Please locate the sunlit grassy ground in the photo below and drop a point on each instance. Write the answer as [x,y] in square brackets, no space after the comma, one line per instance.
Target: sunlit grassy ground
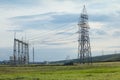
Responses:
[97,71]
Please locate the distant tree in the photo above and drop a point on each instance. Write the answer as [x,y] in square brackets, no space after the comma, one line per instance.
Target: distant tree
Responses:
[69,63]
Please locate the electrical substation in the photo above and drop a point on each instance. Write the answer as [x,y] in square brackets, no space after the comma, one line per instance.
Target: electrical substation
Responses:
[21,52]
[21,48]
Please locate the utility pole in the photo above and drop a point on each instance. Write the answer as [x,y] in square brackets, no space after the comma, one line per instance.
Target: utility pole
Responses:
[33,55]
[84,48]
[14,50]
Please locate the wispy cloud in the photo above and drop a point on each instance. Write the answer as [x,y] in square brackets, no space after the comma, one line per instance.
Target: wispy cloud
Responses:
[18,3]
[45,20]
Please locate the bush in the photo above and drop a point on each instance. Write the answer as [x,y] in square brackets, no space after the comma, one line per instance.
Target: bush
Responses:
[69,63]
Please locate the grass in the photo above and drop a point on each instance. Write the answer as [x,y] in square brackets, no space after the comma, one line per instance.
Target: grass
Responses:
[96,71]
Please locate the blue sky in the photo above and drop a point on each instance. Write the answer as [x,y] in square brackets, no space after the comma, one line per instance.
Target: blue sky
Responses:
[51,25]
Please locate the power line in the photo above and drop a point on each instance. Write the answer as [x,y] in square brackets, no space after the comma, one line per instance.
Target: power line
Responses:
[49,37]
[57,43]
[54,40]
[61,39]
[55,29]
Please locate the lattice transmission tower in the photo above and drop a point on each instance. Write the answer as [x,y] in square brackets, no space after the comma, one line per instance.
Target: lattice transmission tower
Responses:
[84,48]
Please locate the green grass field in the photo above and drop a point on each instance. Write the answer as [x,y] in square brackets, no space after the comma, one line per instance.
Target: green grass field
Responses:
[96,71]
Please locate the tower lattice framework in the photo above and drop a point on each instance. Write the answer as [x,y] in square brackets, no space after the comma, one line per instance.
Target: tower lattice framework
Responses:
[84,48]
[21,52]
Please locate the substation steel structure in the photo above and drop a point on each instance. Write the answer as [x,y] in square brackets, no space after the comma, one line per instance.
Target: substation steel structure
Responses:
[21,52]
[84,48]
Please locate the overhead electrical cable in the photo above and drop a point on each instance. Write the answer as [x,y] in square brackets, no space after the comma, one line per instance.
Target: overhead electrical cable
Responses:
[50,32]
